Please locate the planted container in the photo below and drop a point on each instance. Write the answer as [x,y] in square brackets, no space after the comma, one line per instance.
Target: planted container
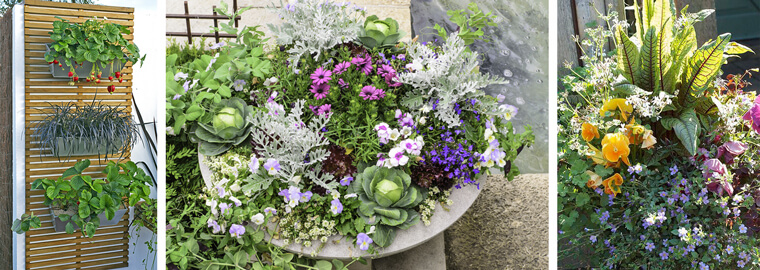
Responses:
[60,226]
[72,146]
[85,67]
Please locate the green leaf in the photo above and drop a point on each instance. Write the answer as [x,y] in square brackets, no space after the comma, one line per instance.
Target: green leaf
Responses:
[84,210]
[69,228]
[627,56]
[193,112]
[734,48]
[323,265]
[704,66]
[686,128]
[338,264]
[581,199]
[650,65]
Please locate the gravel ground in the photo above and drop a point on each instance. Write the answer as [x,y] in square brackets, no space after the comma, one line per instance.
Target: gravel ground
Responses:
[506,228]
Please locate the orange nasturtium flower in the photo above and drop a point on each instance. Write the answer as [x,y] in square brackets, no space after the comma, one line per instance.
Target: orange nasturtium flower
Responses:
[615,147]
[594,181]
[612,184]
[617,104]
[589,132]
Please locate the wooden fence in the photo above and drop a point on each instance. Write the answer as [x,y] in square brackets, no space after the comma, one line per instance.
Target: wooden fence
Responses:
[190,34]
[574,16]
[45,248]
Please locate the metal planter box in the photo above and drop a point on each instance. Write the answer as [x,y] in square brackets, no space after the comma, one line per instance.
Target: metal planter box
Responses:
[84,69]
[76,147]
[60,226]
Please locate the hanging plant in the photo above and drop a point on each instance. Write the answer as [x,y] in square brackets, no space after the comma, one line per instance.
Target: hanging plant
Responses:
[90,49]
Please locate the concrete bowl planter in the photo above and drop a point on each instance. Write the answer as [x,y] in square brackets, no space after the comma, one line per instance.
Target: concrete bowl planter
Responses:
[60,226]
[85,68]
[339,247]
[66,147]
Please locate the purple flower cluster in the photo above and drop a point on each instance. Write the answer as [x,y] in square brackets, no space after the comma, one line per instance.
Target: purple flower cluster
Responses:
[458,162]
[363,63]
[341,67]
[319,84]
[321,110]
[389,74]
[372,93]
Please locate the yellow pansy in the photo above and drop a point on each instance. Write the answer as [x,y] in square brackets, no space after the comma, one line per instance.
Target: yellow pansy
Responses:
[617,104]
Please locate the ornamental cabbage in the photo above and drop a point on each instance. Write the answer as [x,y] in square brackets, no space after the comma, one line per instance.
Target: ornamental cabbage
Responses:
[380,33]
[230,125]
[388,201]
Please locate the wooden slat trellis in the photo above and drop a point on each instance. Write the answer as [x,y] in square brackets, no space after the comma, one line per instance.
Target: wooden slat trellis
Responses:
[46,249]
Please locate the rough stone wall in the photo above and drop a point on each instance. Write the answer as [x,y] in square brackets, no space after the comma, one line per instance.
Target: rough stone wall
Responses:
[6,142]
[260,15]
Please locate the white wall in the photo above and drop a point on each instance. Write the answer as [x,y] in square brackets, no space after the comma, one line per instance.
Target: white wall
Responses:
[148,89]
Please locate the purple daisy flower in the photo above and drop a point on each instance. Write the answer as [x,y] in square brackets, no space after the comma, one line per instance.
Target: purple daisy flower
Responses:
[363,64]
[341,67]
[342,83]
[372,93]
[753,115]
[321,76]
[320,90]
[324,109]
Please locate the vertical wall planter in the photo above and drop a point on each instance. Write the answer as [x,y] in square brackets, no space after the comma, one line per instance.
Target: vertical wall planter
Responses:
[63,70]
[60,226]
[67,147]
[39,91]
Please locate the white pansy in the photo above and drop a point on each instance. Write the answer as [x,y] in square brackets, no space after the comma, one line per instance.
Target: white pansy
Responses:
[258,219]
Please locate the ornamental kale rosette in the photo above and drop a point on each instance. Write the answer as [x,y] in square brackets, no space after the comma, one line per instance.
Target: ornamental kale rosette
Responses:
[658,149]
[351,133]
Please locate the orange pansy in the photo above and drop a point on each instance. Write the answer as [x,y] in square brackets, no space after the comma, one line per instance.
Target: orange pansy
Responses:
[589,132]
[615,147]
[612,184]
[594,181]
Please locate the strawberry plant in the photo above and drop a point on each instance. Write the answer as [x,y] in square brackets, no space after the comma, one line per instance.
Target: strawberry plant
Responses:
[94,41]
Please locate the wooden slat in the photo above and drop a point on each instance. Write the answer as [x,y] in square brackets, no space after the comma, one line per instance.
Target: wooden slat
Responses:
[77,259]
[77,246]
[47,249]
[76,13]
[38,3]
[49,19]
[49,26]
[38,234]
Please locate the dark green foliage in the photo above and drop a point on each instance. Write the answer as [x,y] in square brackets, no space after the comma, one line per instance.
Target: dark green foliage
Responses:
[93,124]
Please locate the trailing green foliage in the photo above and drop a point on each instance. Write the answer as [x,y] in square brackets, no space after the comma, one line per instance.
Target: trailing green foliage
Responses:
[90,197]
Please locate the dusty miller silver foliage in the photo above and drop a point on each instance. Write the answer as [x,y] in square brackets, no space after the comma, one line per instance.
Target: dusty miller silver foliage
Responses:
[313,26]
[298,147]
[450,76]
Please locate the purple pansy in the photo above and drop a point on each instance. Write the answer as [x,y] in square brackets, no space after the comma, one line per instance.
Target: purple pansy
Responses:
[237,231]
[363,241]
[336,207]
